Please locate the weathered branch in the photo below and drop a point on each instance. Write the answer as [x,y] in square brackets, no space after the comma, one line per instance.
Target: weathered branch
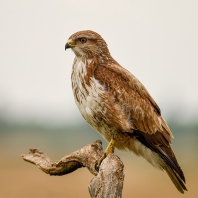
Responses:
[109,180]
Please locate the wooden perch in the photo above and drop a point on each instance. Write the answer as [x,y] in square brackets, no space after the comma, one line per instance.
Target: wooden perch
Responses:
[108,182]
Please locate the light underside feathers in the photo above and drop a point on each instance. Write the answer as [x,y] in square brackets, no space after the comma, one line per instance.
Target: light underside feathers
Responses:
[118,106]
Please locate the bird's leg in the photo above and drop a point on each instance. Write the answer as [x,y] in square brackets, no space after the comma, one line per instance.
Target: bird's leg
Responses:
[109,149]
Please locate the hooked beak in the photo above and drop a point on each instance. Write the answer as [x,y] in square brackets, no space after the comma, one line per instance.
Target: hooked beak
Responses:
[69,44]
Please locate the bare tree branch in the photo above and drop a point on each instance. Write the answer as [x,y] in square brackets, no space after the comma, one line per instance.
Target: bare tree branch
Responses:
[108,182]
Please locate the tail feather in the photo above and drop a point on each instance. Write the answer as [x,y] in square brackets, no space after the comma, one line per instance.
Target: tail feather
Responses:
[175,178]
[166,159]
[172,168]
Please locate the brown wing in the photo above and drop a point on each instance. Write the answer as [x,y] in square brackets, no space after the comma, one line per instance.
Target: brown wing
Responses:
[132,104]
[131,100]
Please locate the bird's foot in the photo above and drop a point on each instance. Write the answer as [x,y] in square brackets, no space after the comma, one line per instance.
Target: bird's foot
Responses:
[109,149]
[99,161]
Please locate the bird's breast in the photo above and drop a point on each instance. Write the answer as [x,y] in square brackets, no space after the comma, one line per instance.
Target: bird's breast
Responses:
[89,96]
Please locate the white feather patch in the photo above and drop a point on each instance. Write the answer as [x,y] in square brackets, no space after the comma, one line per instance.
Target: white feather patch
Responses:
[88,98]
[152,157]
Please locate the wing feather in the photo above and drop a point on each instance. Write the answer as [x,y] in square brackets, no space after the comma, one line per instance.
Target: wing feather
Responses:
[126,94]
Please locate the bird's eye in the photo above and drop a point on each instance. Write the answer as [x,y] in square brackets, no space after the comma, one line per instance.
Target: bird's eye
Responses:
[83,40]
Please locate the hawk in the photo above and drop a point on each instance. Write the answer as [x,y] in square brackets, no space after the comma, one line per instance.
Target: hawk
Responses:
[118,106]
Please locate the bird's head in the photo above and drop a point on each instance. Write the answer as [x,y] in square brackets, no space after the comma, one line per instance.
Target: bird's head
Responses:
[88,44]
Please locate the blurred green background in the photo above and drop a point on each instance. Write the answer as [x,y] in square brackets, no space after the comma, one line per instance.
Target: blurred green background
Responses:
[21,179]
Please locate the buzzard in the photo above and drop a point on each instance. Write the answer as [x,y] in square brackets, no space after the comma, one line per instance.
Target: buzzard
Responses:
[117,105]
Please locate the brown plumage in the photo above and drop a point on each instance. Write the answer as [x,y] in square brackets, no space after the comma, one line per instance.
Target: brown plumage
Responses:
[119,107]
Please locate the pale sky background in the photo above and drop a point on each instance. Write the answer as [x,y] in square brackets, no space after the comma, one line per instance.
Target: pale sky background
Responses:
[157,41]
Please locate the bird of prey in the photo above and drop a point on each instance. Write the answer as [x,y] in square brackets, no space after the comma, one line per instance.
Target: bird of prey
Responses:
[118,106]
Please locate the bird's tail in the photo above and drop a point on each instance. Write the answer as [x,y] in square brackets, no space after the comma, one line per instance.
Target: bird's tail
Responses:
[172,168]
[175,178]
[160,156]
[168,162]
